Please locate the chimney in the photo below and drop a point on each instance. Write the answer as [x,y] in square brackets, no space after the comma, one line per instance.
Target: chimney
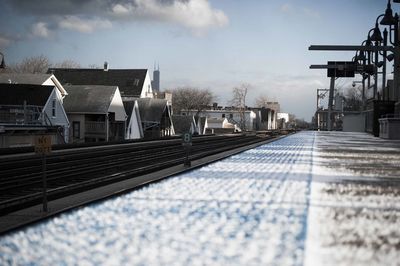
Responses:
[105,66]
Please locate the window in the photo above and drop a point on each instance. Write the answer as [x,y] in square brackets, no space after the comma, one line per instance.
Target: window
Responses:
[223,115]
[76,129]
[231,116]
[53,108]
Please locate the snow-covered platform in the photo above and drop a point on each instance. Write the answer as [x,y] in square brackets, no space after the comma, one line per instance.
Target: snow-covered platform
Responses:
[313,198]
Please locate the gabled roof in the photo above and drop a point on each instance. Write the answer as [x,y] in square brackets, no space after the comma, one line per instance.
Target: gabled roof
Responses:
[16,94]
[182,123]
[129,81]
[35,79]
[128,105]
[151,110]
[93,99]
[18,78]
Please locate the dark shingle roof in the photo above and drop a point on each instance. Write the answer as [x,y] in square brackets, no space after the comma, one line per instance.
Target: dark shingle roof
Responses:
[125,79]
[151,110]
[19,78]
[16,94]
[88,99]
[182,123]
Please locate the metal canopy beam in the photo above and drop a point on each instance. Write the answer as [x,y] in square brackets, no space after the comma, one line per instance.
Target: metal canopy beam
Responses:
[349,48]
[322,66]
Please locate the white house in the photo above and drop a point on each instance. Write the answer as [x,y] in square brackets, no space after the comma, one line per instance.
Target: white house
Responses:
[134,129]
[27,110]
[202,125]
[232,116]
[282,120]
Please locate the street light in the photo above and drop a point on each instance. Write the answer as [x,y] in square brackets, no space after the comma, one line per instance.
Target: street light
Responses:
[2,64]
[377,35]
[390,57]
[388,19]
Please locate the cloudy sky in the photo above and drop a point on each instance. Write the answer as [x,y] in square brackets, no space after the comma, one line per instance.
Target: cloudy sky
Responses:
[215,44]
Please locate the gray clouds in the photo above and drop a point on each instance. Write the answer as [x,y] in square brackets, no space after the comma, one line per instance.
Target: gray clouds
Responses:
[90,15]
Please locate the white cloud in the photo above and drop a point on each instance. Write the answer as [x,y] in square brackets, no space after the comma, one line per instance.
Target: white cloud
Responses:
[196,15]
[40,29]
[121,10]
[84,25]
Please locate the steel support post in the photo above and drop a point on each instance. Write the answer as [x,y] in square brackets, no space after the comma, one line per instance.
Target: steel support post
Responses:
[330,103]
[376,73]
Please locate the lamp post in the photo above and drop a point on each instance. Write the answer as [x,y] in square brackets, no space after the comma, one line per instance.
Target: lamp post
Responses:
[377,38]
[361,57]
[393,23]
[2,64]
[321,93]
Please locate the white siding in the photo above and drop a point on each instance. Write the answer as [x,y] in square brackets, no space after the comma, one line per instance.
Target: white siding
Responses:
[250,116]
[147,90]
[117,107]
[134,129]
[60,118]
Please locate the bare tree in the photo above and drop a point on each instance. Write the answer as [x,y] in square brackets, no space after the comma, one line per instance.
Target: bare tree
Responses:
[238,101]
[67,64]
[192,100]
[39,64]
[262,101]
[353,99]
[93,66]
[34,65]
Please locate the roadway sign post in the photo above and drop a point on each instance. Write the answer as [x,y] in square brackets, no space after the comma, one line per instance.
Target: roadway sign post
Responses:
[43,147]
[187,144]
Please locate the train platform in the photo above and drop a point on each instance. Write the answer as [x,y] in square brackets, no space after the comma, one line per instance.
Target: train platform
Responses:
[312,198]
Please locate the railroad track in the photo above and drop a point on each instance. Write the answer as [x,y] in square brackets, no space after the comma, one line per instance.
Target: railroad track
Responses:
[77,170]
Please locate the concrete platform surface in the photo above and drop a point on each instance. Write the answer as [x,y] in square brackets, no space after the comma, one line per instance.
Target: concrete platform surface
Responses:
[312,198]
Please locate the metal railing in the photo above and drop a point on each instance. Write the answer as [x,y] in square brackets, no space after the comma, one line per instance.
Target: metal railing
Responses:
[20,115]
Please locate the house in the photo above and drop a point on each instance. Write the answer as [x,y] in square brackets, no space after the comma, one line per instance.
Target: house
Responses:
[155,115]
[132,83]
[266,117]
[220,126]
[34,79]
[96,113]
[202,125]
[134,129]
[282,120]
[233,115]
[184,124]
[28,110]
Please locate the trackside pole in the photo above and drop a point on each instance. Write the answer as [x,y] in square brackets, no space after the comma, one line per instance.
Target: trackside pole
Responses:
[45,209]
[187,144]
